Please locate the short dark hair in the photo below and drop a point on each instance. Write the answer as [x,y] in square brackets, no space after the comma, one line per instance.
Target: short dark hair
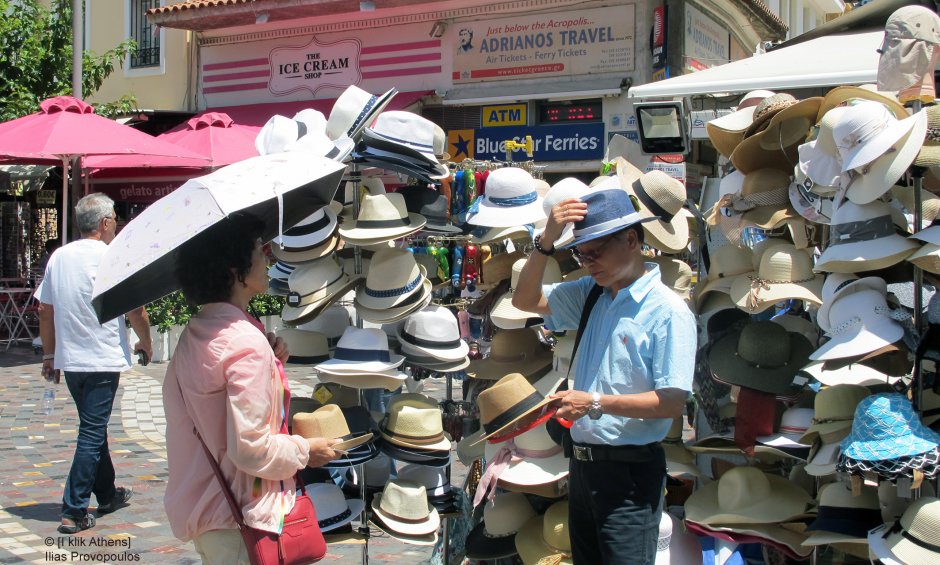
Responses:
[204,266]
[636,227]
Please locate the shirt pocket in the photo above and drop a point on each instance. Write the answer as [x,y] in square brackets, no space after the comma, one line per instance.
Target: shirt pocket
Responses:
[630,357]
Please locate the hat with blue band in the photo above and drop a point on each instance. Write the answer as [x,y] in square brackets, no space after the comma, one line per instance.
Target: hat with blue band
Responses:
[608,211]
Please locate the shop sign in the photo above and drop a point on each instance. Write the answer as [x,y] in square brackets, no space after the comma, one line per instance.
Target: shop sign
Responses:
[560,142]
[706,41]
[659,37]
[505,115]
[660,74]
[557,44]
[675,170]
[314,66]
[138,191]
[45,197]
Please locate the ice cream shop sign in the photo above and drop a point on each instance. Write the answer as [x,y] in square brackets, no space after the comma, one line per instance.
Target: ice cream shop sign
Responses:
[315,66]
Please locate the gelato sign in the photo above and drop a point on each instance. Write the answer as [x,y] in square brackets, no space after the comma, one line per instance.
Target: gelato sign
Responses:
[314,66]
[558,44]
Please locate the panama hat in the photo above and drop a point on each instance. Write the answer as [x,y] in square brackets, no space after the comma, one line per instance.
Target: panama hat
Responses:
[331,322]
[661,197]
[414,421]
[862,238]
[608,211]
[844,516]
[727,262]
[766,109]
[545,538]
[431,204]
[776,146]
[313,287]
[382,217]
[506,316]
[305,347]
[435,482]
[482,234]
[627,149]
[837,285]
[311,238]
[403,507]
[820,159]
[510,200]
[746,495]
[408,134]
[334,510]
[353,110]
[887,427]
[434,331]
[394,278]
[305,132]
[726,132]
[914,538]
[506,402]
[927,258]
[873,179]
[861,323]
[512,351]
[785,273]
[327,422]
[762,356]
[281,271]
[499,267]
[429,457]
[361,350]
[495,536]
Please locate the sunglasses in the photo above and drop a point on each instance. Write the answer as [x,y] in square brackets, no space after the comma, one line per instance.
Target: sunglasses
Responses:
[592,255]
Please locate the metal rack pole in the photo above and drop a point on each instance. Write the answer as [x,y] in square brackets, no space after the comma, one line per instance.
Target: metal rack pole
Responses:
[918,279]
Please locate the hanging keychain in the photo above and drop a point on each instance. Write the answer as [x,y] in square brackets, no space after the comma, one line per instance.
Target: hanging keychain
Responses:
[470,263]
[440,257]
[463,322]
[456,266]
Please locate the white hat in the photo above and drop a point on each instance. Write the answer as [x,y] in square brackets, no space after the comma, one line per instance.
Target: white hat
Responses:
[820,159]
[494,537]
[861,323]
[281,271]
[854,374]
[305,347]
[675,545]
[793,424]
[508,317]
[382,217]
[305,132]
[816,206]
[306,240]
[331,322]
[915,538]
[403,506]
[510,200]
[313,287]
[353,110]
[872,180]
[866,130]
[407,134]
[862,238]
[837,285]
[434,331]
[568,187]
[395,286]
[333,508]
[361,350]
[535,459]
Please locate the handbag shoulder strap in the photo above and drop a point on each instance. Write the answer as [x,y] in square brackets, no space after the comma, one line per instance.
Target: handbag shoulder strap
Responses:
[589,303]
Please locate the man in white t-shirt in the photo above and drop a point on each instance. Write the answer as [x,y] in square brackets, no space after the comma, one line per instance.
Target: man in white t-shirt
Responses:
[91,354]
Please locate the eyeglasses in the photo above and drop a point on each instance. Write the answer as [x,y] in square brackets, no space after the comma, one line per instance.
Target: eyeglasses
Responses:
[591,256]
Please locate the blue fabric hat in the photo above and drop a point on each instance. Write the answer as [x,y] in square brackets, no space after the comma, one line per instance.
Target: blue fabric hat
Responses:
[608,211]
[886,427]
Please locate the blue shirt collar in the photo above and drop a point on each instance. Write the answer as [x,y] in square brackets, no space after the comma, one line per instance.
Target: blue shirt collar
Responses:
[643,285]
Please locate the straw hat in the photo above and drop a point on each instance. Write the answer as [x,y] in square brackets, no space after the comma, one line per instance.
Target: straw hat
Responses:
[746,495]
[434,331]
[504,314]
[545,538]
[327,422]
[762,356]
[382,217]
[510,200]
[726,132]
[482,234]
[929,153]
[629,150]
[913,539]
[533,459]
[873,179]
[500,267]
[314,286]
[861,323]
[353,110]
[661,197]
[512,351]
[762,202]
[414,421]
[840,95]
[403,507]
[776,145]
[785,273]
[844,516]
[281,271]
[887,427]
[333,509]
[863,238]
[727,262]
[361,350]
[495,536]
[435,482]
[679,460]
[506,402]
[785,538]
[838,285]
[834,408]
[767,109]
[930,203]
[394,278]
[305,347]
[331,322]
[675,274]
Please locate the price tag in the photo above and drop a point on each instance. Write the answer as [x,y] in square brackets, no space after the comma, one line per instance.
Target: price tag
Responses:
[510,248]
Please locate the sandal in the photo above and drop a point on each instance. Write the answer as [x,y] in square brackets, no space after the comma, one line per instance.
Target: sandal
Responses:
[121,496]
[75,525]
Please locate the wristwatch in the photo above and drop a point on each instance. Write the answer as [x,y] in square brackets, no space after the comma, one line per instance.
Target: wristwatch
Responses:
[595,412]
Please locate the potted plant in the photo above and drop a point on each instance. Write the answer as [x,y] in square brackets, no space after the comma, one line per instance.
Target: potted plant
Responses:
[168,316]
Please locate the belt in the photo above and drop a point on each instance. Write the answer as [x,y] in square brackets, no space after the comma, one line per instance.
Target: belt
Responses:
[619,453]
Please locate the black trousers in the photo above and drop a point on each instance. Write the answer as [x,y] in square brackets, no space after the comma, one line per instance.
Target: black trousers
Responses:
[615,508]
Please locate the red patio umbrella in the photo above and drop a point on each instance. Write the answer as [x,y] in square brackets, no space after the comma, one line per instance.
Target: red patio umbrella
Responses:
[66,127]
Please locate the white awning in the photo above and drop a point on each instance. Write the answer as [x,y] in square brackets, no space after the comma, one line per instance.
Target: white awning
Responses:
[498,92]
[833,60]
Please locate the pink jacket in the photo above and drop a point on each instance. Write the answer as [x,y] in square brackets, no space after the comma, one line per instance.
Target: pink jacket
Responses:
[227,371]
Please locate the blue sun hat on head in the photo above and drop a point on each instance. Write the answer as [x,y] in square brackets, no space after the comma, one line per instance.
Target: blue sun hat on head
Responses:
[886,427]
[608,211]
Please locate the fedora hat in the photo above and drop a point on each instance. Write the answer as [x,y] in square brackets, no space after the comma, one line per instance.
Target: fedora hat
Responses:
[360,422]
[305,132]
[675,274]
[510,200]
[746,495]
[403,507]
[435,482]
[844,516]
[306,240]
[608,211]
[499,267]
[361,350]
[679,460]
[838,285]
[820,159]
[727,262]
[382,217]
[313,287]
[512,351]
[661,197]
[427,457]
[862,238]
[871,180]
[495,536]
[305,347]
[482,234]
[913,539]
[419,359]
[407,134]
[726,132]
[328,422]
[433,331]
[353,110]
[431,204]
[861,323]
[545,538]
[334,510]
[504,314]
[331,322]
[281,271]
[394,278]
[567,188]
[785,273]
[414,421]
[762,356]
[887,427]
[776,145]
[509,400]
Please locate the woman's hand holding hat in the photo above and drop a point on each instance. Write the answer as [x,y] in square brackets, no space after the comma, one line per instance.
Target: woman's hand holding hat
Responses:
[321,451]
[567,211]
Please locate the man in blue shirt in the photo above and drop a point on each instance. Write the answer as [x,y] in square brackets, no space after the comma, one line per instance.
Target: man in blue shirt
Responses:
[632,374]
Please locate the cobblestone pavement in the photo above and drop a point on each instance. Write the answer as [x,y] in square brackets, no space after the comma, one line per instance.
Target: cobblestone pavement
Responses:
[36,452]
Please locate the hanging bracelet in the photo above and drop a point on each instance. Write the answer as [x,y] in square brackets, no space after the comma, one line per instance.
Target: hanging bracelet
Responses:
[540,249]
[48,357]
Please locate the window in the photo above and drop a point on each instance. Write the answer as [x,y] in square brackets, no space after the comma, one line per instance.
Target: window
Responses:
[145,34]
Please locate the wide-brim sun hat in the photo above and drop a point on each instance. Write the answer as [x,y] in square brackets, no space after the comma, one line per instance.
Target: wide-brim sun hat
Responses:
[510,200]
[854,374]
[661,197]
[608,211]
[839,95]
[838,285]
[915,538]
[819,158]
[494,537]
[762,356]
[776,146]
[747,495]
[382,217]
[861,323]
[726,132]
[785,273]
[867,130]
[863,238]
[545,538]
[876,177]
[927,258]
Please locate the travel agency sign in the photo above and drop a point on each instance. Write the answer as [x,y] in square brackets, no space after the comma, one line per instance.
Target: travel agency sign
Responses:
[557,44]
[315,66]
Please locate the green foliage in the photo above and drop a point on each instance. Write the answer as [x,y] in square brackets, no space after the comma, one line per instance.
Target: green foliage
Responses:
[266,305]
[36,56]
[171,310]
[123,106]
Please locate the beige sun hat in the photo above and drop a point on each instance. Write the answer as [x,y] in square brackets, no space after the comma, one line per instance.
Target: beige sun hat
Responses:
[545,538]
[382,217]
[863,238]
[785,273]
[495,536]
[679,460]
[328,422]
[844,516]
[727,262]
[512,351]
[834,410]
[535,459]
[504,314]
[414,421]
[675,274]
[499,268]
[403,507]
[661,196]
[747,495]
[313,287]
[506,402]
[846,95]
[764,201]
[912,540]
[776,146]
[726,132]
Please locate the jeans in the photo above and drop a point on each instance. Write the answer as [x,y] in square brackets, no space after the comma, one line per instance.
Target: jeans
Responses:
[614,509]
[92,471]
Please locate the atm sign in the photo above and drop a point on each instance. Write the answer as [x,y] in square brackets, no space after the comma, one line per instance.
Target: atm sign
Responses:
[505,115]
